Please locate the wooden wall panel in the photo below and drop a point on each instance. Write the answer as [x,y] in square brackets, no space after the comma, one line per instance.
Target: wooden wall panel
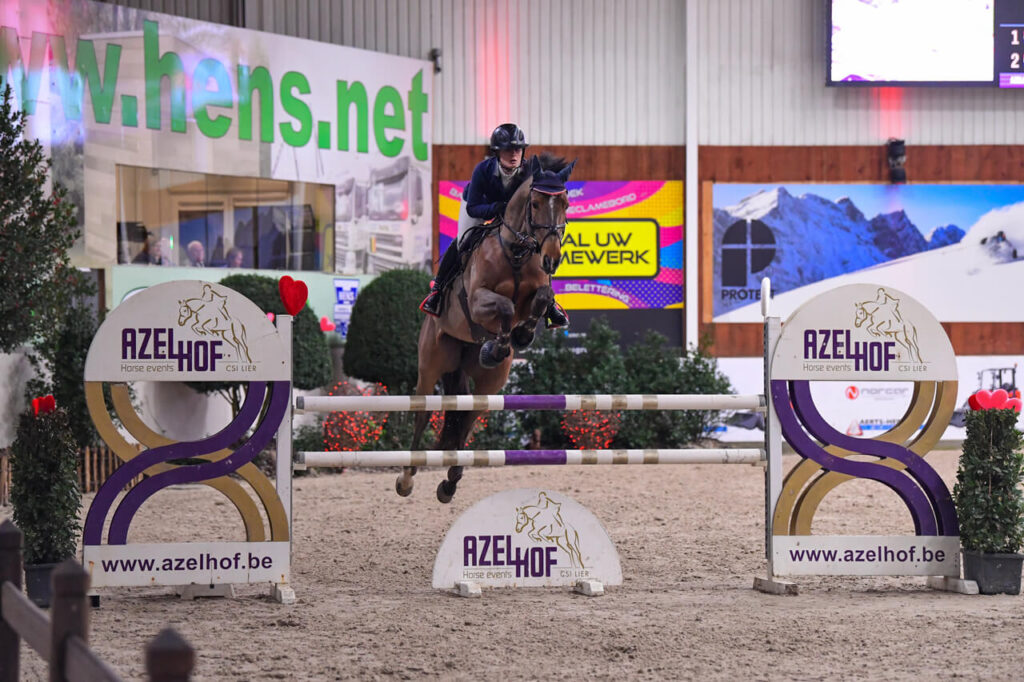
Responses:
[938,163]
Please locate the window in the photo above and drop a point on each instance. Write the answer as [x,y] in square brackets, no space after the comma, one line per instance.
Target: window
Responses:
[184,219]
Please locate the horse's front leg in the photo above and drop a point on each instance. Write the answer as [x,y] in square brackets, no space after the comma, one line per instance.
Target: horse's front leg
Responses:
[523,333]
[495,313]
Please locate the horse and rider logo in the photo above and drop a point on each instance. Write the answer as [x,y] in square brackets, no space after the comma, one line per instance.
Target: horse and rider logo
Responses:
[882,318]
[543,522]
[208,316]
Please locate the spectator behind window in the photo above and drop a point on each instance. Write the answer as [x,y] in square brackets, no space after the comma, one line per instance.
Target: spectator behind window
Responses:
[153,252]
[234,257]
[196,254]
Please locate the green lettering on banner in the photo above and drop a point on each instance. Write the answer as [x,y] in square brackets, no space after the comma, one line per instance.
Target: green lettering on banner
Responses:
[202,97]
[417,107]
[383,121]
[299,110]
[159,67]
[101,92]
[258,80]
[347,96]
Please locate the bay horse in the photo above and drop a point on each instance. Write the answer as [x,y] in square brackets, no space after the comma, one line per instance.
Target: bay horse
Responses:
[492,308]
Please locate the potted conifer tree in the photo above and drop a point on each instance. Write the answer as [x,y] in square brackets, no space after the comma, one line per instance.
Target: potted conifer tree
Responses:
[988,497]
[45,495]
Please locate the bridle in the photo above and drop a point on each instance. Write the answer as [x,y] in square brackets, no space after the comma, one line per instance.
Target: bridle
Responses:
[524,244]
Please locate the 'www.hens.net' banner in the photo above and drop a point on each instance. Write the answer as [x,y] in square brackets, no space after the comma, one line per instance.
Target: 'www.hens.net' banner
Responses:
[622,249]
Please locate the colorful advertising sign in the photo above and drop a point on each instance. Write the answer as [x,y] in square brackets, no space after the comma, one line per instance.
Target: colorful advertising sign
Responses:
[949,246]
[111,90]
[622,248]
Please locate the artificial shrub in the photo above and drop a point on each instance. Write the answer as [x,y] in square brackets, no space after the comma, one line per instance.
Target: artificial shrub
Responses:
[59,355]
[988,497]
[44,487]
[383,332]
[311,361]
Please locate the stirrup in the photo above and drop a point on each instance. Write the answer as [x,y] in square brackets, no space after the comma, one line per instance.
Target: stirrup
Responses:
[432,308]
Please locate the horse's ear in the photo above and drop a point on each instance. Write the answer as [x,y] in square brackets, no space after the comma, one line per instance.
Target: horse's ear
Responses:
[564,174]
[533,168]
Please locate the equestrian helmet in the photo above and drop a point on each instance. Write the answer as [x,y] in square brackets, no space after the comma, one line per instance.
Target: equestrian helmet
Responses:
[508,136]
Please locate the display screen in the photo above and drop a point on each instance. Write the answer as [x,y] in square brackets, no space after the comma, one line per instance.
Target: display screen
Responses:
[926,42]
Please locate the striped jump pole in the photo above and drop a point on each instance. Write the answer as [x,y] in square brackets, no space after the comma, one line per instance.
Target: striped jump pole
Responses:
[498,458]
[437,403]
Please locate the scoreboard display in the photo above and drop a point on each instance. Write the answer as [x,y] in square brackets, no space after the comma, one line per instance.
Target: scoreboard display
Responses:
[926,42]
[1009,39]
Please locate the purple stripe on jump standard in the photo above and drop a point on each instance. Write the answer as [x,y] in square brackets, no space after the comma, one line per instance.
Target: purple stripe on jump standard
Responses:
[535,402]
[916,501]
[105,496]
[280,394]
[933,485]
[525,457]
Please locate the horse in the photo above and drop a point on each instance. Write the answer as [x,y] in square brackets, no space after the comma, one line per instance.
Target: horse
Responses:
[493,307]
[545,524]
[884,319]
[211,316]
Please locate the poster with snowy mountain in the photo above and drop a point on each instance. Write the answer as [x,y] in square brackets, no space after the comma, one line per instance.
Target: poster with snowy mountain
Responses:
[958,249]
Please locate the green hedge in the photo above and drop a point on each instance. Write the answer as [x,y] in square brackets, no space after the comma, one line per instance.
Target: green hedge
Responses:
[381,345]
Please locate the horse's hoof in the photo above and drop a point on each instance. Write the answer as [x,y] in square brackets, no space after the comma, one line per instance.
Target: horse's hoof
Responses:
[404,491]
[522,337]
[489,359]
[443,494]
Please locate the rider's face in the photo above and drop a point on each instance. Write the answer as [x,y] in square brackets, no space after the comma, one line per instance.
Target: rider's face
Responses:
[510,158]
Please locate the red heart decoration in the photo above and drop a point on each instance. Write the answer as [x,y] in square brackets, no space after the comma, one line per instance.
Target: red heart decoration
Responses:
[44,405]
[293,294]
[1013,404]
[270,316]
[988,400]
[326,325]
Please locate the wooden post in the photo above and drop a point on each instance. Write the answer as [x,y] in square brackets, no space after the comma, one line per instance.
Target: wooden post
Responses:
[169,657]
[69,613]
[10,571]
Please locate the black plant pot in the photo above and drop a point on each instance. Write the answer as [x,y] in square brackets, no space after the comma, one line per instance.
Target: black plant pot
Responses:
[995,573]
[37,583]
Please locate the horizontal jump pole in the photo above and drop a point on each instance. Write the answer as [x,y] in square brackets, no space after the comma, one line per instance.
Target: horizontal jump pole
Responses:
[437,403]
[497,458]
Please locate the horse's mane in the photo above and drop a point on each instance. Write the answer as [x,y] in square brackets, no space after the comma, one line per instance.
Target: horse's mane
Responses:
[517,204]
[550,162]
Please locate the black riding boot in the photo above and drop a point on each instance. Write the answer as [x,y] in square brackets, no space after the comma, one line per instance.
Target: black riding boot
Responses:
[555,317]
[445,271]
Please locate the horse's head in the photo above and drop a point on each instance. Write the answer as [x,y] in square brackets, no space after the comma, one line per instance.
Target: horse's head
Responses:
[538,208]
[862,315]
[521,519]
[184,312]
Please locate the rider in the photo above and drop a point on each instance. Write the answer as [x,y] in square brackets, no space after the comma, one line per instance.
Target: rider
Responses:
[494,181]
